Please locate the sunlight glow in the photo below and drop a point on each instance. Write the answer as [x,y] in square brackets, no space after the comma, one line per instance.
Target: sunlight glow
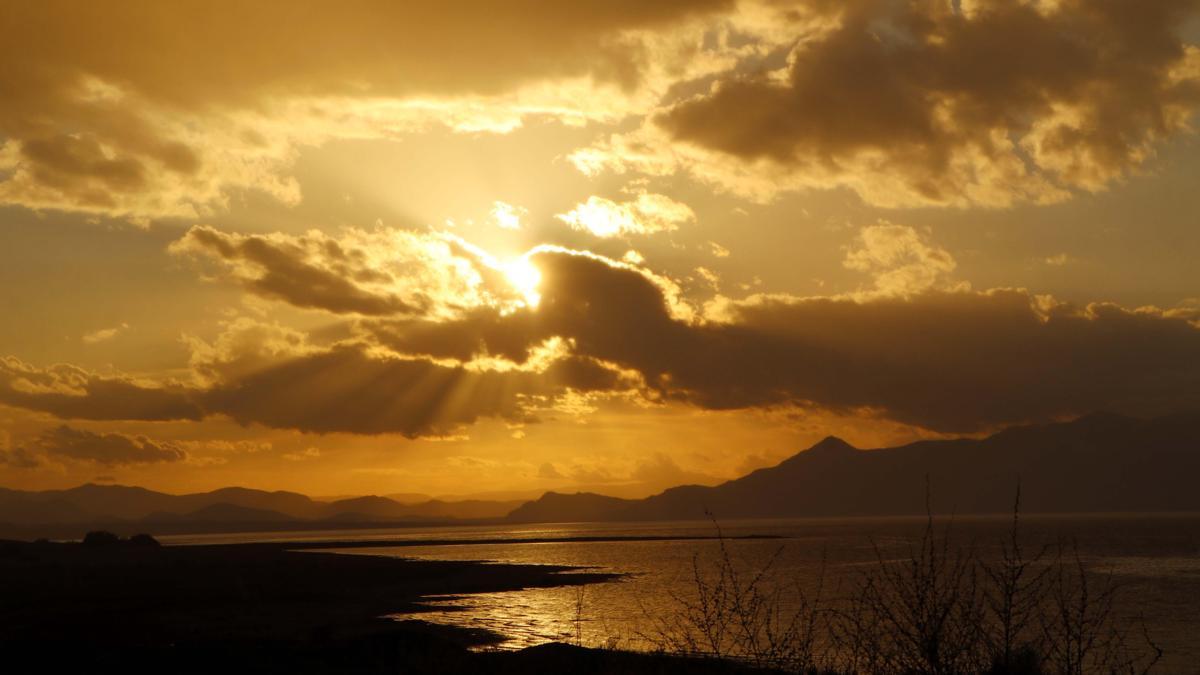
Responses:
[524,277]
[646,214]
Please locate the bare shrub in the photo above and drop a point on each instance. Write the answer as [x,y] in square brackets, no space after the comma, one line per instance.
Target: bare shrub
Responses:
[1082,633]
[745,614]
[577,621]
[922,614]
[939,610]
[1012,599]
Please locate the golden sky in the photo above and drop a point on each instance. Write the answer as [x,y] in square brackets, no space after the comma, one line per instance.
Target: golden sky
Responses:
[478,248]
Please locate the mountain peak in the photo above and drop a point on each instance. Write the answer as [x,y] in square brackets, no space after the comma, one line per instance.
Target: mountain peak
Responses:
[831,445]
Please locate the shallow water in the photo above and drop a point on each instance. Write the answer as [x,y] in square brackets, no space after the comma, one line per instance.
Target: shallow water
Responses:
[1154,559]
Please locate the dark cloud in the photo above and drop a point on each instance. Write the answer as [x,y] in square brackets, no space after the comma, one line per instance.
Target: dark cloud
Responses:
[108,449]
[20,457]
[69,392]
[343,389]
[484,330]
[920,102]
[284,269]
[65,162]
[944,360]
[963,361]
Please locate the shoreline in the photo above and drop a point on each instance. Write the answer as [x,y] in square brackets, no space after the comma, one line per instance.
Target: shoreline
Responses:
[277,533]
[234,605]
[136,602]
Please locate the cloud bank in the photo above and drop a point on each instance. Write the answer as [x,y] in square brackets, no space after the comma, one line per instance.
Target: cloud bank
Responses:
[987,102]
[79,445]
[186,104]
[916,349]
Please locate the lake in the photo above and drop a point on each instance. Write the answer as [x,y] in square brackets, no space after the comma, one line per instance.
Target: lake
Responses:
[1154,560]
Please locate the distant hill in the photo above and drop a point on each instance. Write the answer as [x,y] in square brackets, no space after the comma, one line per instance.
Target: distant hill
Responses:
[289,503]
[120,502]
[59,513]
[1098,463]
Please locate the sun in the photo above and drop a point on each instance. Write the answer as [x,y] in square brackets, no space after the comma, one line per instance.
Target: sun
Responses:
[524,277]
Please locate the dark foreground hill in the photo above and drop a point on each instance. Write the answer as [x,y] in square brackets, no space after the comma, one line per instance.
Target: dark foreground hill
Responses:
[1098,463]
[121,608]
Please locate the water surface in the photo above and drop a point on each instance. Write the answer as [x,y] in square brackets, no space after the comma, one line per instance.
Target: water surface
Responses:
[1154,558]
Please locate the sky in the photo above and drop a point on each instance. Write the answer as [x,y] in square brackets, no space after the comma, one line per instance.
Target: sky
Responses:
[462,248]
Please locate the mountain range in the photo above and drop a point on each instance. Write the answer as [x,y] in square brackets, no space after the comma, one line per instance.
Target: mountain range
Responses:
[1097,463]
[122,508]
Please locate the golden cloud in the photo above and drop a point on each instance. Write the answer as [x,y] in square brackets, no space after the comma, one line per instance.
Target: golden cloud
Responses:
[143,112]
[73,393]
[107,449]
[917,349]
[186,105]
[928,103]
[944,359]
[900,258]
[385,272]
[646,213]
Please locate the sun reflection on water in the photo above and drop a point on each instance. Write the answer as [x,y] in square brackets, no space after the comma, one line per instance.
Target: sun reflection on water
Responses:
[1157,558]
[524,618]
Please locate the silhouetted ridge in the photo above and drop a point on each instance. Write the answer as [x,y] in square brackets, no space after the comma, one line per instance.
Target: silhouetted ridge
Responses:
[560,507]
[830,445]
[1097,463]
[71,512]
